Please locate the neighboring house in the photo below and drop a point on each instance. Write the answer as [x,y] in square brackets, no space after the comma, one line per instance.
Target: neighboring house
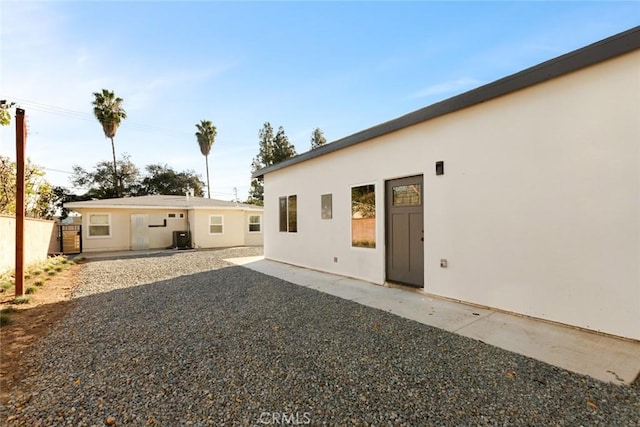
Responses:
[153,222]
[522,195]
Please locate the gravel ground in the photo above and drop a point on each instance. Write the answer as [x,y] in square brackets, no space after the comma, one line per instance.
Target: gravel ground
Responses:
[187,339]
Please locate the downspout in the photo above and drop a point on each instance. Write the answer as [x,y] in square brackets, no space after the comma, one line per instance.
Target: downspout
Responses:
[187,194]
[189,230]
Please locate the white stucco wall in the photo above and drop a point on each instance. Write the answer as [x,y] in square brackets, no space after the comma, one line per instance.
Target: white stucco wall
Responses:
[538,211]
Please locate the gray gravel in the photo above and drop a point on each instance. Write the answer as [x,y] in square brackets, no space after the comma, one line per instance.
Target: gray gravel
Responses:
[186,339]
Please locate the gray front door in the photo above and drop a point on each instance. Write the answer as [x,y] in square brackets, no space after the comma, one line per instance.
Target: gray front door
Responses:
[405,231]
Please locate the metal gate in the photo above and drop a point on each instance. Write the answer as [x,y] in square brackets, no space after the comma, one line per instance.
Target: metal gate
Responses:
[70,238]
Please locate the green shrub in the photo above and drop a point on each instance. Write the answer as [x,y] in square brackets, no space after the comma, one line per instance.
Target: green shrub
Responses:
[21,300]
[30,290]
[39,282]
[36,272]
[59,269]
[51,272]
[6,286]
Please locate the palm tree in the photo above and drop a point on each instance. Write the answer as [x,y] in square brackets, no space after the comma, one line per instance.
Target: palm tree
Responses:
[206,136]
[109,112]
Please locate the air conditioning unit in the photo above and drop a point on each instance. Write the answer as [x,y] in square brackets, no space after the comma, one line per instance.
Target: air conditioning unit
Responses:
[181,239]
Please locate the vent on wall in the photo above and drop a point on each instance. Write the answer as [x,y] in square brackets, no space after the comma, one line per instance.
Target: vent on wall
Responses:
[440,167]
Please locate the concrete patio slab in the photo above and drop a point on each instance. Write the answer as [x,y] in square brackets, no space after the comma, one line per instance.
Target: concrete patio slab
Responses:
[602,357]
[605,358]
[440,313]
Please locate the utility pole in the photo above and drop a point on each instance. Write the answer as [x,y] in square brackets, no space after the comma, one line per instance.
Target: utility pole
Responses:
[21,142]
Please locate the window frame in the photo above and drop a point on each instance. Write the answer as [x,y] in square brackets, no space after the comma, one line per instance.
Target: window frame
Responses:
[375,217]
[285,217]
[109,225]
[292,219]
[259,223]
[221,224]
[326,206]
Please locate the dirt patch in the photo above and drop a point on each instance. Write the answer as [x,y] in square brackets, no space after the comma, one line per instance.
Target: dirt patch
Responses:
[28,323]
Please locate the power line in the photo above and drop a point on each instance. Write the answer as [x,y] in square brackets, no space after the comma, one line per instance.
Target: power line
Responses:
[78,115]
[57,170]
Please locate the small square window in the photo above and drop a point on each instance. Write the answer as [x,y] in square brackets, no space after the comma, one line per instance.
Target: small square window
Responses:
[254,223]
[99,225]
[407,195]
[216,224]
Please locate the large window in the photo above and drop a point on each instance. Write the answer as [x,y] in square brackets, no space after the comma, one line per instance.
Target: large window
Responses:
[216,224]
[255,222]
[363,216]
[289,214]
[99,225]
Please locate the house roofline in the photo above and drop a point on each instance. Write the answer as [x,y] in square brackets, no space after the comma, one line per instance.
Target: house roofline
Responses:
[72,206]
[595,53]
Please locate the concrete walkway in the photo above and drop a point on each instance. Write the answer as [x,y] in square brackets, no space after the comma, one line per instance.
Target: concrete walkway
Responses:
[602,357]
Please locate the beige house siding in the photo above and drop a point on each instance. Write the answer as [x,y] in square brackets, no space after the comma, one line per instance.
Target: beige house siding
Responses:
[120,239]
[538,211]
[235,229]
[37,236]
[253,238]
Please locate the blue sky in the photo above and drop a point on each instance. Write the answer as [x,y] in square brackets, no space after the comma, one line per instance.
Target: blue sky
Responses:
[340,66]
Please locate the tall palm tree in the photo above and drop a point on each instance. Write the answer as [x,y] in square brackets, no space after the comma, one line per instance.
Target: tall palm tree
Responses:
[206,136]
[109,112]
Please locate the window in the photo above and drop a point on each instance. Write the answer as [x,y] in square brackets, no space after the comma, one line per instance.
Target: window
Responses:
[326,206]
[216,224]
[363,216]
[100,225]
[254,223]
[171,215]
[289,214]
[407,195]
[292,213]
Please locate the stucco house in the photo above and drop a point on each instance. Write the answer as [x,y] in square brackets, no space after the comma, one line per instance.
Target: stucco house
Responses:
[153,222]
[521,195]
